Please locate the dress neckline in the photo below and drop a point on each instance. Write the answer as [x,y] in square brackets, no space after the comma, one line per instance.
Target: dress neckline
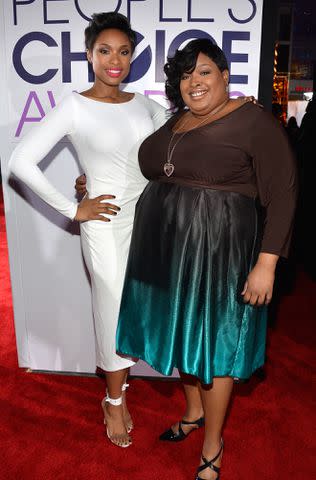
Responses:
[105,103]
[228,114]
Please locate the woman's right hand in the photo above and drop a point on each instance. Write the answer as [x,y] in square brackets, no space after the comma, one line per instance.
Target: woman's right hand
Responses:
[95,208]
[81,183]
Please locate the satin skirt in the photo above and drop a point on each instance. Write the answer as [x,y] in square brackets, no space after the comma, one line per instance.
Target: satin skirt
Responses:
[191,251]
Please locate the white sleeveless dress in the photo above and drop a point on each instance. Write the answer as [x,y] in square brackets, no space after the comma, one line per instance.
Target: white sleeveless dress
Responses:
[106,137]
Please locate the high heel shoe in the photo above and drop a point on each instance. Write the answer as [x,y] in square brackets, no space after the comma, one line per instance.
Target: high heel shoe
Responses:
[121,440]
[129,424]
[210,464]
[171,436]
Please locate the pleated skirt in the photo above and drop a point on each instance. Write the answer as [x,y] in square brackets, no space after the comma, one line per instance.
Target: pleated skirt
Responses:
[191,251]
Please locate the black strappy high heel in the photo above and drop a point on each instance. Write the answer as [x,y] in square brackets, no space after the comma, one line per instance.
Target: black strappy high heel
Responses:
[210,464]
[171,436]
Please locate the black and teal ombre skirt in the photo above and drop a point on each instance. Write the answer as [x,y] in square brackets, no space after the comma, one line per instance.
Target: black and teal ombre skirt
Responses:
[190,254]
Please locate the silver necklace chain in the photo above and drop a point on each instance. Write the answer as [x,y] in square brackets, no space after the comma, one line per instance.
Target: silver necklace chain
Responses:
[168,167]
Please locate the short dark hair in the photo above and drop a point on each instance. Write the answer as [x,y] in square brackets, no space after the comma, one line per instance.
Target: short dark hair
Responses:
[105,20]
[184,60]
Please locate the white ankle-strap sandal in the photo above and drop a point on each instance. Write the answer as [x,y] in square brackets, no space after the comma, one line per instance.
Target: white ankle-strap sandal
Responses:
[113,401]
[122,441]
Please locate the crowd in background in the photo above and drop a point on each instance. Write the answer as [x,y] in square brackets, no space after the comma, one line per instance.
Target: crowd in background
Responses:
[302,139]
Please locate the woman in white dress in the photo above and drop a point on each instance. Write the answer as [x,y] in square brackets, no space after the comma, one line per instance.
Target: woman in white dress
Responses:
[106,126]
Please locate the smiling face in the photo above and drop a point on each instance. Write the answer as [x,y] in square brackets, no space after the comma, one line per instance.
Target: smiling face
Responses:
[204,89]
[111,57]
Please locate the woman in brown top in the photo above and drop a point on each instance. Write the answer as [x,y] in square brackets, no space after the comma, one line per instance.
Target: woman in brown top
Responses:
[201,265]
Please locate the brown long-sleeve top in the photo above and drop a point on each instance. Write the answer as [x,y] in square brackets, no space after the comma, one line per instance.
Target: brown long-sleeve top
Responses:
[245,151]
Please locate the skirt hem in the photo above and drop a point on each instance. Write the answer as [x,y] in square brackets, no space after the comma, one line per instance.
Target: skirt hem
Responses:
[205,381]
[129,364]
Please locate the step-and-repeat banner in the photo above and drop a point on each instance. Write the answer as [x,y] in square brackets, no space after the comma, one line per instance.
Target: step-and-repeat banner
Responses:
[43,59]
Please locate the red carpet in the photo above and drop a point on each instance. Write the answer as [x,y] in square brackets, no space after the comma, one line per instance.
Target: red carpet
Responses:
[51,425]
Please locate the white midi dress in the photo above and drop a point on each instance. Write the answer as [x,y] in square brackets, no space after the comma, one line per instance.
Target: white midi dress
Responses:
[106,137]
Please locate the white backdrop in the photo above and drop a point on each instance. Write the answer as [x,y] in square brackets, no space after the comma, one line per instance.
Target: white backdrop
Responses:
[41,44]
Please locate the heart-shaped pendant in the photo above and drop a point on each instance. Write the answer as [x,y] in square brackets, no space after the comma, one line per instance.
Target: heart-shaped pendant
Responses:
[168,168]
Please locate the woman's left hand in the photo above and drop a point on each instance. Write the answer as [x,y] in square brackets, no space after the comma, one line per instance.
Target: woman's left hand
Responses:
[252,99]
[259,284]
